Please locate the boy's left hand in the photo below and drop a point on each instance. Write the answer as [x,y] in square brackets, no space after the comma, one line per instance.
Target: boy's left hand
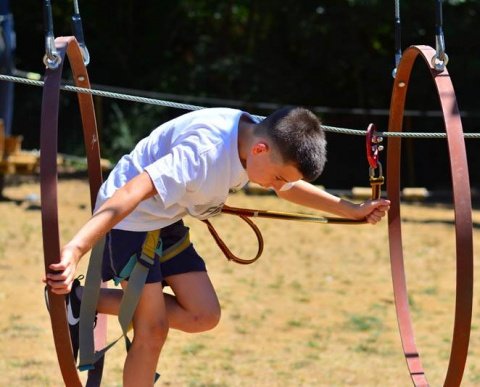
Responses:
[373,210]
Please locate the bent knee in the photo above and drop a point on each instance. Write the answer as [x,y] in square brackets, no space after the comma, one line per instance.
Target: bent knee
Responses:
[205,320]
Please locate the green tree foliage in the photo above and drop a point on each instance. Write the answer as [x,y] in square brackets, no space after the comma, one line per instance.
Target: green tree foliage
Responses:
[335,53]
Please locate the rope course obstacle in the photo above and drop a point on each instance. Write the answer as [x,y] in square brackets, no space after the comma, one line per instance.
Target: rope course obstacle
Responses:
[74,49]
[463,219]
[436,61]
[56,52]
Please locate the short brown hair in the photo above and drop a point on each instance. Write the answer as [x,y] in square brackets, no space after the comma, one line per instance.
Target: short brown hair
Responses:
[300,138]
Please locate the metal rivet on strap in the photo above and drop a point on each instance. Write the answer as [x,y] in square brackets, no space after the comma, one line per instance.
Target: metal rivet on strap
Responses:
[81,78]
[401,84]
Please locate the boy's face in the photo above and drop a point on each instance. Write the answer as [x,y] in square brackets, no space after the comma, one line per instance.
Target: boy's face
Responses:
[266,168]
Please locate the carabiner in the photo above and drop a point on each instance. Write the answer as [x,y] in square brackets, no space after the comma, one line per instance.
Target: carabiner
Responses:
[440,59]
[371,171]
[78,32]
[51,59]
[372,147]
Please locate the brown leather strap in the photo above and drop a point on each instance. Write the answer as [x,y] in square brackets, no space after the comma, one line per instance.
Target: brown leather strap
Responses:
[48,187]
[226,251]
[252,213]
[246,213]
[463,219]
[376,183]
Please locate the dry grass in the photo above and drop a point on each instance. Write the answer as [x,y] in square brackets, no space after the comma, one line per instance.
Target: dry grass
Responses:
[316,310]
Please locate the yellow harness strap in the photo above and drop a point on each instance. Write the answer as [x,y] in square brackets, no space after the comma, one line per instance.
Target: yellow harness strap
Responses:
[151,242]
[153,246]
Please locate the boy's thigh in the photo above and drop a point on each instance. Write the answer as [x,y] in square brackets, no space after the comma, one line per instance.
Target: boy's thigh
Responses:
[194,290]
[150,311]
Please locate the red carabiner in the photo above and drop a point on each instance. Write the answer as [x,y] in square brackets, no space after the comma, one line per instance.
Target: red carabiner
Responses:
[373,148]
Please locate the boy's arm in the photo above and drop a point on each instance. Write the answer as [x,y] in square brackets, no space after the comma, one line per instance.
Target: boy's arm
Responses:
[122,203]
[308,195]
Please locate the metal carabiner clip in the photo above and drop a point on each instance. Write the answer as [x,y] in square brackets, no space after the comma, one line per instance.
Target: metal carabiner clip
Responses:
[51,59]
[78,33]
[440,59]
[371,171]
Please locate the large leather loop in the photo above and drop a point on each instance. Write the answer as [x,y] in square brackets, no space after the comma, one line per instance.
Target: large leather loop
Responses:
[48,187]
[463,218]
[227,252]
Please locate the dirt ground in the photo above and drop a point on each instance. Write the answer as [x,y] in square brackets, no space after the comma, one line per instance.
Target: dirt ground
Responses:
[316,310]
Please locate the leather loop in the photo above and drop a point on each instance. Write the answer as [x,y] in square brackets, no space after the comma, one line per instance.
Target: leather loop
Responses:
[463,218]
[246,213]
[66,46]
[376,183]
[226,251]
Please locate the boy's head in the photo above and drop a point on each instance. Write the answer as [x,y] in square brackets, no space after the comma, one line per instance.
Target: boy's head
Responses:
[297,140]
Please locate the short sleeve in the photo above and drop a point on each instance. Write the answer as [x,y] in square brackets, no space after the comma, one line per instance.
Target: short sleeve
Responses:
[179,172]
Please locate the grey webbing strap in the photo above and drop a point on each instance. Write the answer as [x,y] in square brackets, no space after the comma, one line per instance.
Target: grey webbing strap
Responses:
[138,276]
[91,292]
[128,305]
[132,293]
[88,307]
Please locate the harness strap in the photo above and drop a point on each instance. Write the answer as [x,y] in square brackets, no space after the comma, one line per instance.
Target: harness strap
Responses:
[88,307]
[137,271]
[376,184]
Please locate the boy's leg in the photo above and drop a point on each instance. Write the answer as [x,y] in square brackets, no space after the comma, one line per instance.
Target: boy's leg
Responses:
[195,306]
[150,329]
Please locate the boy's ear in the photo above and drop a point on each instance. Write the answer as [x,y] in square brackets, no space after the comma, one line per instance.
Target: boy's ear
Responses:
[260,147]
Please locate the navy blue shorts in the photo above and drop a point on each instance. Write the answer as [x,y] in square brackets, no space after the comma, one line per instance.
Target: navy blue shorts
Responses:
[121,245]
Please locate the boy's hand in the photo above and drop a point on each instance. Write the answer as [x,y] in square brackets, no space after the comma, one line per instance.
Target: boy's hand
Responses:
[373,210]
[61,281]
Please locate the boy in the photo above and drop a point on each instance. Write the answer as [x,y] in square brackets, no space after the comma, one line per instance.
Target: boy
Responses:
[187,166]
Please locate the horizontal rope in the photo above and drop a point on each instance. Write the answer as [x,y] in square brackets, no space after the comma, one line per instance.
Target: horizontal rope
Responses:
[184,106]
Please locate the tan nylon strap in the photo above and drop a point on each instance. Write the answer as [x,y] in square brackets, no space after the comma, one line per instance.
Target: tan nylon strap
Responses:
[376,184]
[463,219]
[48,187]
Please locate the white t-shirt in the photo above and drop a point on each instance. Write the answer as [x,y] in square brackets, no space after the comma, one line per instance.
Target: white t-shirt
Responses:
[193,162]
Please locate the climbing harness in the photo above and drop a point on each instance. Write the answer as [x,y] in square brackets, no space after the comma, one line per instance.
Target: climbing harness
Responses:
[136,271]
[463,218]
